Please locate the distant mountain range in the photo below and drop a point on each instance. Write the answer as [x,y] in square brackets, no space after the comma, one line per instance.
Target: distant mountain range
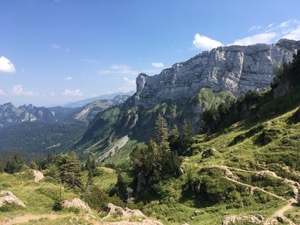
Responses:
[10,114]
[84,102]
[38,131]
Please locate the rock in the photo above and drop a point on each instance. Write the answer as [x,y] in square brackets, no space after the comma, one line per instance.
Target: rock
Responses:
[125,215]
[197,212]
[262,174]
[208,153]
[37,175]
[7,197]
[280,219]
[117,211]
[255,219]
[76,203]
[236,69]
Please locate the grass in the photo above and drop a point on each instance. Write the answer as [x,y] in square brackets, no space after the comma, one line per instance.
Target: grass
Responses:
[39,198]
[245,147]
[280,154]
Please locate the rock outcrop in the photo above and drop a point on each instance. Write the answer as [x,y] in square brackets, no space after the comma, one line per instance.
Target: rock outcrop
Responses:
[76,203]
[38,175]
[7,197]
[256,219]
[236,69]
[125,215]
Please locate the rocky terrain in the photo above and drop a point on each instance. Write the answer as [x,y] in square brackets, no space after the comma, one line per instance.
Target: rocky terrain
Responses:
[237,69]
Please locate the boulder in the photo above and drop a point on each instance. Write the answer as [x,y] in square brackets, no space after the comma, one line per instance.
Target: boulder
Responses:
[7,197]
[76,203]
[38,175]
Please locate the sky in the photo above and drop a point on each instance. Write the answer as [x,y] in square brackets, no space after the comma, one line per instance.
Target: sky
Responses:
[54,52]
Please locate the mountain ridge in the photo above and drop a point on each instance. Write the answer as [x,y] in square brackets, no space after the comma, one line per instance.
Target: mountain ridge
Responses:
[237,69]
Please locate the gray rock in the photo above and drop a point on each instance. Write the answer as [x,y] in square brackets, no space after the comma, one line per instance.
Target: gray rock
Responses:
[237,69]
[7,197]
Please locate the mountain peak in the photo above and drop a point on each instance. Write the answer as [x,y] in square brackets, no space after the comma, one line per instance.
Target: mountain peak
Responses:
[237,69]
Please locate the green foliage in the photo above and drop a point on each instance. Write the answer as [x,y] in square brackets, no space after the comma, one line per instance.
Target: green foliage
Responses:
[1,166]
[14,164]
[33,165]
[53,171]
[9,207]
[161,133]
[69,168]
[58,205]
[96,198]
[37,139]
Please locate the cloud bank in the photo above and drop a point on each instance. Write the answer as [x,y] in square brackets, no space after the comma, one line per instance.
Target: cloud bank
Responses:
[19,90]
[157,65]
[205,43]
[257,34]
[6,66]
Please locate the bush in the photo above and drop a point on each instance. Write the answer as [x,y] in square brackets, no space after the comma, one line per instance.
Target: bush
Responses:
[57,206]
[96,198]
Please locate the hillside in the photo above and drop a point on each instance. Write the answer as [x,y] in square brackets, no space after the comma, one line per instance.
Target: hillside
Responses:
[241,169]
[248,171]
[183,92]
[36,132]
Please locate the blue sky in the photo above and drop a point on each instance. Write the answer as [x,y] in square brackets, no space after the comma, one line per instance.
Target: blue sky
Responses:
[54,52]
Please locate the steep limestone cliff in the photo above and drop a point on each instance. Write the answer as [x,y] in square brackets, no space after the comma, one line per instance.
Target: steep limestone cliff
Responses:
[236,69]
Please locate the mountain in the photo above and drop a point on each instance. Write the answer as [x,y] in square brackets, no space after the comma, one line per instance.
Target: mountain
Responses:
[243,170]
[88,112]
[237,69]
[26,113]
[84,102]
[183,92]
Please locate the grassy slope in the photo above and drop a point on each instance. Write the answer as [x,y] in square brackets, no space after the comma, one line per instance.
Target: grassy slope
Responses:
[39,197]
[244,159]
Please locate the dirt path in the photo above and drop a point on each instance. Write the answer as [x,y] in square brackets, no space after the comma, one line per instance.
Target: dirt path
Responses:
[280,212]
[28,217]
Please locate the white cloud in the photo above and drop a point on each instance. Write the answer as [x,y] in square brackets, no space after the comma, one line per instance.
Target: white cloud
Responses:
[130,82]
[205,43]
[68,78]
[257,38]
[272,33]
[2,93]
[293,34]
[255,28]
[157,65]
[19,90]
[72,93]
[6,66]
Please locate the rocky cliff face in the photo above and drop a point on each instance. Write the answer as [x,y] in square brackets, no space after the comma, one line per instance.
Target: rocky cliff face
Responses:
[236,69]
[26,113]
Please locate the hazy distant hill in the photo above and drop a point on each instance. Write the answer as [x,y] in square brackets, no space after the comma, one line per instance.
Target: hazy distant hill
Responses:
[84,102]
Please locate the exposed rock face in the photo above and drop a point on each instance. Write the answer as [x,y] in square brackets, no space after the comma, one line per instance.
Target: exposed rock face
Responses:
[126,214]
[7,197]
[236,69]
[256,219]
[76,203]
[26,113]
[38,175]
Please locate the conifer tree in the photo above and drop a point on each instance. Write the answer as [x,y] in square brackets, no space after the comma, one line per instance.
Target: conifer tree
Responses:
[161,133]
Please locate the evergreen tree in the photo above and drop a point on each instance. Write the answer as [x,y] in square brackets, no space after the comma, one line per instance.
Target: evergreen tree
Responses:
[161,133]
[14,164]
[69,168]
